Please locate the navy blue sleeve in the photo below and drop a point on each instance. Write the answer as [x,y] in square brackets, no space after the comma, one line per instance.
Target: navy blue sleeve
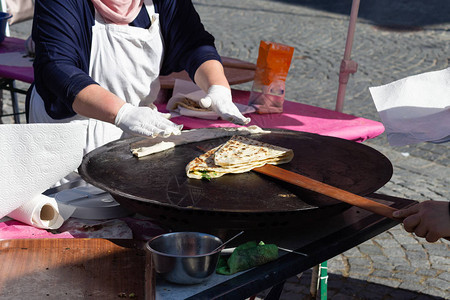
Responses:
[187,43]
[62,31]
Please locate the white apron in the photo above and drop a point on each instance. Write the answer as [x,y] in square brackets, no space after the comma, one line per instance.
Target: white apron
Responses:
[124,60]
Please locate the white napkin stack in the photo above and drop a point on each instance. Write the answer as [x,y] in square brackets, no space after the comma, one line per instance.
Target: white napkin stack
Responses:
[187,89]
[415,109]
[33,158]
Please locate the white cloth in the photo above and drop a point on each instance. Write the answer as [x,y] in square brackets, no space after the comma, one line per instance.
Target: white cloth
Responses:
[415,109]
[126,61]
[132,71]
[183,89]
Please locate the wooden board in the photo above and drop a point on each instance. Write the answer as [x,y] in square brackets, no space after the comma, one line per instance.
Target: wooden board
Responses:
[237,71]
[71,269]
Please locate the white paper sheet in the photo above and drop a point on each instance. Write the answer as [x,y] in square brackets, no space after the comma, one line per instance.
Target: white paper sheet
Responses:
[33,158]
[415,109]
[186,89]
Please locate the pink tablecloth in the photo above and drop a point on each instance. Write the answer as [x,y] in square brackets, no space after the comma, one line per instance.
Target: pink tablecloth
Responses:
[24,74]
[298,117]
[123,228]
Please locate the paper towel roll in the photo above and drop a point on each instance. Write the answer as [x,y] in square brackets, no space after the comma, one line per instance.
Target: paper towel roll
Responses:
[42,212]
[34,157]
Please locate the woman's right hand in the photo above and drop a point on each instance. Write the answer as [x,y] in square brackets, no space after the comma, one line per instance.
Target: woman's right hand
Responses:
[429,219]
[144,121]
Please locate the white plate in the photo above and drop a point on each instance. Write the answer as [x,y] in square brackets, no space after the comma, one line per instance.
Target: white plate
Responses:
[91,202]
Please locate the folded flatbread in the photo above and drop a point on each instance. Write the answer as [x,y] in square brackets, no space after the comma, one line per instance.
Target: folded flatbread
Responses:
[148,146]
[238,155]
[190,104]
[240,150]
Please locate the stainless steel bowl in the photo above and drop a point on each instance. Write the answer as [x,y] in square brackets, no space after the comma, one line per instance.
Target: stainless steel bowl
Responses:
[185,257]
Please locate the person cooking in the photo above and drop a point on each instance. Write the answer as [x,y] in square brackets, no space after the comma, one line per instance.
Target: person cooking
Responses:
[98,62]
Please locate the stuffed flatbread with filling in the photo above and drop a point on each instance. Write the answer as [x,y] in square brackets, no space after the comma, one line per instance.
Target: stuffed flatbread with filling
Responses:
[237,155]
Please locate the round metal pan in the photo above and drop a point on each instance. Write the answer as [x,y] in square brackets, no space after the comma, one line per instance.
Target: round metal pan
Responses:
[157,185]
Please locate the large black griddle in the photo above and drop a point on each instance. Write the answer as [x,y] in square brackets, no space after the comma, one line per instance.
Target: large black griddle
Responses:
[157,186]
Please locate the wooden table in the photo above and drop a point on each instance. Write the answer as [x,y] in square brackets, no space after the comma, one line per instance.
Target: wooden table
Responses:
[71,269]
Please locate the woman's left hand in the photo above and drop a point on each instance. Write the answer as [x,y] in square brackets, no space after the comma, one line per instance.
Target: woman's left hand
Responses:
[219,99]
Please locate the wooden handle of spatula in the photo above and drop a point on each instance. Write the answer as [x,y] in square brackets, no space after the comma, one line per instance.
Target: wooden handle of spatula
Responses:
[325,189]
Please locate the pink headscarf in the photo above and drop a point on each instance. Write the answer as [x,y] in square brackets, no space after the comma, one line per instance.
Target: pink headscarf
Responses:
[120,12]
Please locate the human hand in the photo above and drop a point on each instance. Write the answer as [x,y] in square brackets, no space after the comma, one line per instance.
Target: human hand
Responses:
[429,219]
[144,121]
[219,99]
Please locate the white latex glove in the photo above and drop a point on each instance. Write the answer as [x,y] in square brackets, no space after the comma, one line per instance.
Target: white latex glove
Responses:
[144,121]
[219,99]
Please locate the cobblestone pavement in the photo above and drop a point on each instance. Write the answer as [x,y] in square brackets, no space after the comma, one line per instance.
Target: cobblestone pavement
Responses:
[393,40]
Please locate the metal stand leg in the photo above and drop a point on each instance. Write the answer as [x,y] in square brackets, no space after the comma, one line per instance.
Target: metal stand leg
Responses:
[1,106]
[15,103]
[10,85]
[319,279]
[314,282]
